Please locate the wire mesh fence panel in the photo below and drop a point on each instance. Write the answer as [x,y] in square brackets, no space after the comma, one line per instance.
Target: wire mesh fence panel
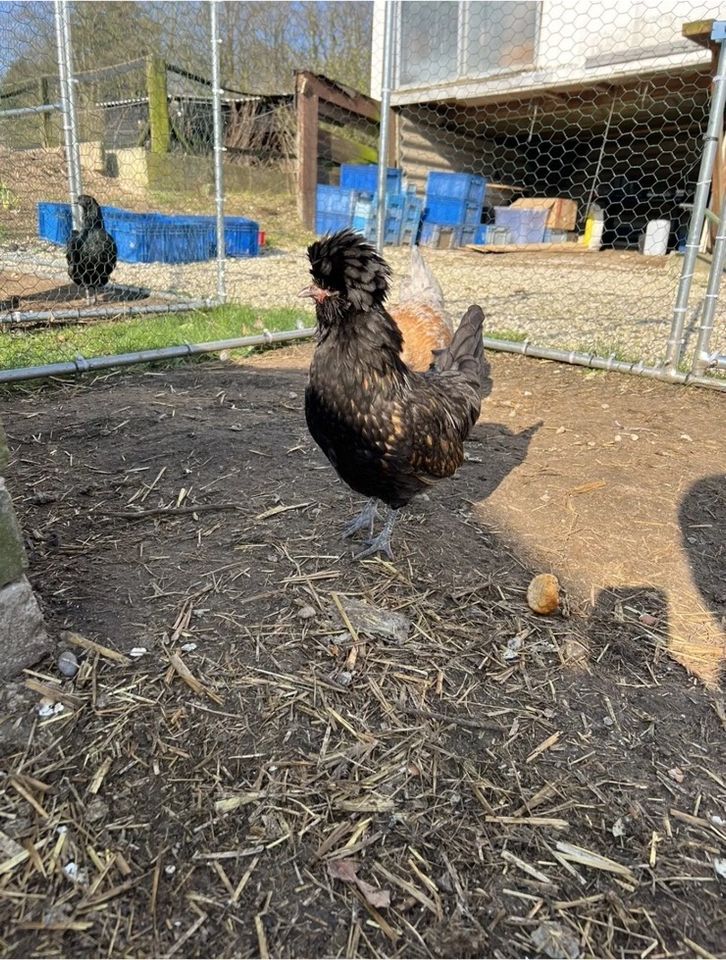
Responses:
[131,124]
[564,141]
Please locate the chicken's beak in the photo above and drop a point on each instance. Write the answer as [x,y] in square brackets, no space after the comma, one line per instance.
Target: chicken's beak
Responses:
[315,292]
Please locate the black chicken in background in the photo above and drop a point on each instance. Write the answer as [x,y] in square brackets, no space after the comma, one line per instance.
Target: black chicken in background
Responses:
[91,252]
[388,431]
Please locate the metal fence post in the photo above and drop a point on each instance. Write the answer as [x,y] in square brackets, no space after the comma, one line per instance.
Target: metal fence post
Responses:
[384,130]
[218,150]
[700,201]
[70,126]
[701,360]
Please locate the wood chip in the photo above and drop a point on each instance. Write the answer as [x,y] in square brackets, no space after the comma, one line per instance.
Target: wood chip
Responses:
[276,511]
[587,858]
[191,681]
[68,636]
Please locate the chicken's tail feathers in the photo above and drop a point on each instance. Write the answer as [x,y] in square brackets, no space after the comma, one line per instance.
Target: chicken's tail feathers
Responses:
[465,353]
[422,286]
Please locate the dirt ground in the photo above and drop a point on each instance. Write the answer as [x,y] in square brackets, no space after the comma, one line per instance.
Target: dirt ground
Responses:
[21,291]
[243,768]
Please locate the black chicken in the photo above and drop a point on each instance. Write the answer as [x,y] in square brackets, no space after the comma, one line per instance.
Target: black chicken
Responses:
[91,252]
[388,431]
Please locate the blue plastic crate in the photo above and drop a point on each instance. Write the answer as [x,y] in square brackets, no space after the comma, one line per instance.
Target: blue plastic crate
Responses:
[402,210]
[331,222]
[158,237]
[525,226]
[54,222]
[180,239]
[464,235]
[451,212]
[337,200]
[432,234]
[364,177]
[241,237]
[133,241]
[456,186]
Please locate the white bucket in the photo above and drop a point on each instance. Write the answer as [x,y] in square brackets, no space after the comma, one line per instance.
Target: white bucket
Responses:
[656,238]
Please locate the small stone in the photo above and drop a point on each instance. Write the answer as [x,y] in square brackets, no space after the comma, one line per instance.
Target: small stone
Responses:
[543,593]
[96,810]
[560,430]
[633,436]
[137,652]
[684,436]
[618,438]
[527,393]
[68,663]
[675,773]
[188,647]
[608,721]
[75,873]
[170,869]
[307,612]
[46,708]
[618,828]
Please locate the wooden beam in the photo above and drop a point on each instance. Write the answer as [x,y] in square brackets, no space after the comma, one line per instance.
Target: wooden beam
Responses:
[529,248]
[306,102]
[699,31]
[158,105]
[44,94]
[352,101]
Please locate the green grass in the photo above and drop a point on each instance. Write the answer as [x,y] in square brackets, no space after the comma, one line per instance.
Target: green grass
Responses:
[514,336]
[25,348]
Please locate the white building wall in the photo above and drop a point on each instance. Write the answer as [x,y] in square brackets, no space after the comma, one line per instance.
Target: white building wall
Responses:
[580,42]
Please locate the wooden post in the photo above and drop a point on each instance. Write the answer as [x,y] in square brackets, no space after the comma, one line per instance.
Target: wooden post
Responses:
[158,104]
[306,100]
[44,94]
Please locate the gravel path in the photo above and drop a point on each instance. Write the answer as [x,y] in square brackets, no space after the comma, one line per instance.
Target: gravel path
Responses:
[610,302]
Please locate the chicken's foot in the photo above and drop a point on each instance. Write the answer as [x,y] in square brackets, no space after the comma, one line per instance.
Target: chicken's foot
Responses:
[381,543]
[364,521]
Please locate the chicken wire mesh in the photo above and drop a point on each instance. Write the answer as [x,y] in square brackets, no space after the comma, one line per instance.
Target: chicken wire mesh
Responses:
[586,122]
[135,130]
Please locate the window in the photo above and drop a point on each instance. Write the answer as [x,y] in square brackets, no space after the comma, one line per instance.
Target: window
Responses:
[443,40]
[498,36]
[428,41]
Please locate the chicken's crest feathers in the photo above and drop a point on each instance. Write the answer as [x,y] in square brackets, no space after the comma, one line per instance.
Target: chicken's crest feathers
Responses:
[345,263]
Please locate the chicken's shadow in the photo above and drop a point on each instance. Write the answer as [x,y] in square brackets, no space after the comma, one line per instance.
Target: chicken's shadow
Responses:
[69,292]
[496,451]
[702,519]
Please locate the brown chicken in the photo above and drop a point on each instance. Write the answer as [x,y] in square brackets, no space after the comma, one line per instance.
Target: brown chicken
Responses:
[389,432]
[420,315]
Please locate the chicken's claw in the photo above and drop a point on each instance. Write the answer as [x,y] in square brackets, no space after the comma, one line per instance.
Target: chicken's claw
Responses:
[381,543]
[364,521]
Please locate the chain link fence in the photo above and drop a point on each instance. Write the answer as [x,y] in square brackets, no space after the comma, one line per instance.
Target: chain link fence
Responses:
[209,131]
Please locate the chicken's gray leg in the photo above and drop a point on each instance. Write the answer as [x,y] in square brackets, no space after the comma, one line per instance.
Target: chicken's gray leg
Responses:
[381,543]
[364,521]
